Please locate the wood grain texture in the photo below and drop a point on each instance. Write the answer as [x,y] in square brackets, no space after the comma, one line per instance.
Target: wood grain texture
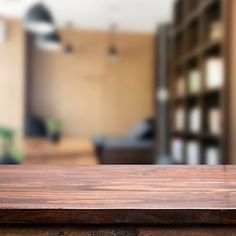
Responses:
[118,195]
[90,93]
[117,231]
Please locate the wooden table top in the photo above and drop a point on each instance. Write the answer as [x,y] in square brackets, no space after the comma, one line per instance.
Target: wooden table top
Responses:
[118,194]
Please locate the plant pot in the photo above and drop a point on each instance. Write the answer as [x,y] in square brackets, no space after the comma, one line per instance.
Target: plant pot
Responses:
[54,138]
[7,160]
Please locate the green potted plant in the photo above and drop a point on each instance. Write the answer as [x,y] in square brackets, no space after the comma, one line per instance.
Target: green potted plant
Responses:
[53,130]
[9,154]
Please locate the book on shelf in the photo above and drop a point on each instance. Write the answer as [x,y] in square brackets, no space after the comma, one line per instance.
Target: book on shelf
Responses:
[180,119]
[177,150]
[193,153]
[195,121]
[194,81]
[212,155]
[214,72]
[214,119]
[180,87]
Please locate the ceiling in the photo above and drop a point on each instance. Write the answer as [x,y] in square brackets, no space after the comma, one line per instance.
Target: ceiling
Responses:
[130,15]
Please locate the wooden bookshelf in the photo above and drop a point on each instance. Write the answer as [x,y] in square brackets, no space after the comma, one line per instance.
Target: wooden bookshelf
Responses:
[200,36]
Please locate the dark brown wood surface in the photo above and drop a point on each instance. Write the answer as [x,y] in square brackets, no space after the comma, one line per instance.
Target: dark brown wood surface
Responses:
[117,231]
[118,194]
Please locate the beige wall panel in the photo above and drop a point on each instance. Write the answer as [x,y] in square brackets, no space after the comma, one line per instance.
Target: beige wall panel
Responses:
[12,77]
[90,93]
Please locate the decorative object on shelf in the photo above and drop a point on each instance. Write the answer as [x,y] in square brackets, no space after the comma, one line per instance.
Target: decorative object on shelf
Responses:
[195,81]
[53,130]
[212,156]
[216,31]
[113,51]
[3,31]
[50,42]
[39,20]
[177,150]
[195,123]
[214,72]
[214,119]
[193,151]
[180,118]
[180,87]
[9,154]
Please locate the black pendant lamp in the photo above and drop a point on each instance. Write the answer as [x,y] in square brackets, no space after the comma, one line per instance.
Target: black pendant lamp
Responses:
[39,20]
[113,51]
[49,42]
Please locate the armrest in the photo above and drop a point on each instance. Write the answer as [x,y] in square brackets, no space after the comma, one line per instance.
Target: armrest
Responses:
[128,144]
[127,152]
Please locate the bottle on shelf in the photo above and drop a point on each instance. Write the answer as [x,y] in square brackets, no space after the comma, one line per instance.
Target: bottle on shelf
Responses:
[193,153]
[194,81]
[177,150]
[180,87]
[195,121]
[214,120]
[180,119]
[214,72]
[216,31]
[212,156]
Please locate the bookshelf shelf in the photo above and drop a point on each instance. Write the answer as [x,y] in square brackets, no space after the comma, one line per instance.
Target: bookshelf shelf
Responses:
[201,136]
[199,60]
[197,52]
[208,92]
[194,95]
[209,136]
[192,15]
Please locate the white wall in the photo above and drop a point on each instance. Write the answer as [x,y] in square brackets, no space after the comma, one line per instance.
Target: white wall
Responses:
[131,15]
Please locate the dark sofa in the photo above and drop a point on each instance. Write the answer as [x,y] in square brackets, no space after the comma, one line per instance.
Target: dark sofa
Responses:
[136,148]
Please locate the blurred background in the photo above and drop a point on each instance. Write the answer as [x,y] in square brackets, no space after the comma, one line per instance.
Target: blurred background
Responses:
[117,82]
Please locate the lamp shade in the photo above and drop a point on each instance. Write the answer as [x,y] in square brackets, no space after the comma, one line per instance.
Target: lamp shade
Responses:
[113,53]
[38,20]
[49,42]
[69,50]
